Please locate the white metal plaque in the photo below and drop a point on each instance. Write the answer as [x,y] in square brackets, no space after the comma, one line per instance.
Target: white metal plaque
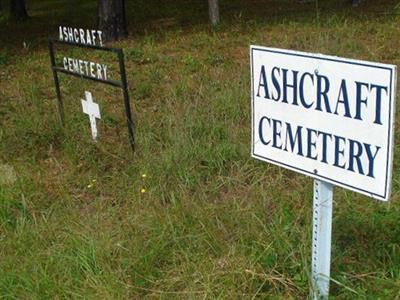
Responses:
[327,117]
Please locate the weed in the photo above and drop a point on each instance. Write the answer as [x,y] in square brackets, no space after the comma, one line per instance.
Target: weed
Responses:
[3,57]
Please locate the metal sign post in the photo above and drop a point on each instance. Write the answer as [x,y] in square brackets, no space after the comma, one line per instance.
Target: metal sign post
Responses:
[321,239]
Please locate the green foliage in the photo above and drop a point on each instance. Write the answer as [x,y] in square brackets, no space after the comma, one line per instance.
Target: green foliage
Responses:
[136,55]
[3,57]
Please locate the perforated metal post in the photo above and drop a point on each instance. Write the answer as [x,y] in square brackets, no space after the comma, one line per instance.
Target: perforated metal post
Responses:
[321,239]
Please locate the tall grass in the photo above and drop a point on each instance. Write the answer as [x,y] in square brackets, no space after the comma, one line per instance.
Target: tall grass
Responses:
[190,215]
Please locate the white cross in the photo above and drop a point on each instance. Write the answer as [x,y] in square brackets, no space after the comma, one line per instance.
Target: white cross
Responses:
[93,110]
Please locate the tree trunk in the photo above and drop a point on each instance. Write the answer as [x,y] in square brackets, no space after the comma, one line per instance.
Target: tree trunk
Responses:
[112,19]
[213,11]
[18,10]
[356,3]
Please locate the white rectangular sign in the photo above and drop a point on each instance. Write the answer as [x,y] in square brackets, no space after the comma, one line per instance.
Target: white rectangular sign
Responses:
[327,117]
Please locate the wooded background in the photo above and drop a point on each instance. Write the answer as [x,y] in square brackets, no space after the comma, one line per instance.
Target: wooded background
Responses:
[111,15]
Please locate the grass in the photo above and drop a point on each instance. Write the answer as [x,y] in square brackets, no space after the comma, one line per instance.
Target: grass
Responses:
[212,223]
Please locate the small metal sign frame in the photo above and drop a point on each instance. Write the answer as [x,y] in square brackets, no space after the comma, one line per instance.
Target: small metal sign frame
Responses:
[122,84]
